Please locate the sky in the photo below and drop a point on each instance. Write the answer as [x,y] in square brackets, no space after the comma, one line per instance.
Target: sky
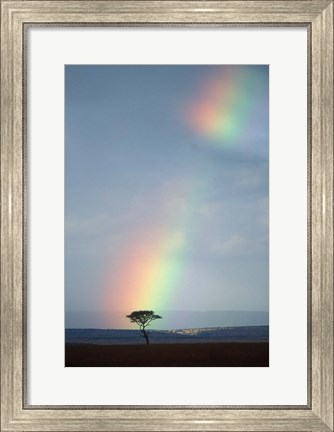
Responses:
[166,192]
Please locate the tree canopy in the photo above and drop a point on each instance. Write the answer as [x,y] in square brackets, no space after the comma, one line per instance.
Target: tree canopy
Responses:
[143,319]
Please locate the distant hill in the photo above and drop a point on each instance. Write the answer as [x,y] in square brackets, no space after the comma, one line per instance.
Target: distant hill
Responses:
[190,335]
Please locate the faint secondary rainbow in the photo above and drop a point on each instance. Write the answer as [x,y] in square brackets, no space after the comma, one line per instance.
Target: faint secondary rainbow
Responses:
[223,108]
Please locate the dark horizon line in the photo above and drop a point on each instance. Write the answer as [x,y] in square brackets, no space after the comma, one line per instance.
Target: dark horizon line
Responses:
[176,328]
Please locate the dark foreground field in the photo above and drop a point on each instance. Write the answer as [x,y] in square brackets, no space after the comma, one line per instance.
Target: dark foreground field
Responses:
[201,354]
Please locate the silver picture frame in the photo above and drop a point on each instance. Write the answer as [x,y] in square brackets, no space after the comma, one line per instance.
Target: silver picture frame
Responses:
[16,17]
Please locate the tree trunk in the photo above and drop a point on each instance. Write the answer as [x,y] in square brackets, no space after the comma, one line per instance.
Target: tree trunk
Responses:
[145,336]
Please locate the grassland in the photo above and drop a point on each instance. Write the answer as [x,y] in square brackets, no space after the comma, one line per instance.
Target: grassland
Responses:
[223,354]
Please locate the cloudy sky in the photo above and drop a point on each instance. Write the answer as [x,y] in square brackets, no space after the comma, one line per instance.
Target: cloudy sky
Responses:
[166,189]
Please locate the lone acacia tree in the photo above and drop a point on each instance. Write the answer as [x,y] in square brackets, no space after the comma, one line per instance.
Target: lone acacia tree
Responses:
[143,319]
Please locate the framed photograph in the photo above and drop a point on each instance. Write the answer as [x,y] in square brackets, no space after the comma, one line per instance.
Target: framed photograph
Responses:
[166,215]
[153,249]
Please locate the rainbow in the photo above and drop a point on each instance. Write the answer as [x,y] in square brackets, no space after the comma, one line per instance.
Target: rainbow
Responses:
[223,108]
[150,269]
[145,274]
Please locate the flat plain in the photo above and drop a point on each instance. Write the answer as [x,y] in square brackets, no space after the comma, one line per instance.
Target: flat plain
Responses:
[218,354]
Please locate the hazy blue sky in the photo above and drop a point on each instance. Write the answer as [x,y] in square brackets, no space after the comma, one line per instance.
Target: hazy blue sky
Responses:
[166,189]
